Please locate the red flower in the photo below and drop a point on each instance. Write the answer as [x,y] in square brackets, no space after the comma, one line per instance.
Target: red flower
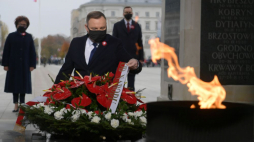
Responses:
[86,80]
[103,98]
[76,84]
[62,94]
[128,96]
[89,79]
[48,94]
[69,106]
[143,106]
[139,100]
[55,86]
[81,101]
[77,77]
[97,112]
[63,83]
[51,91]
[94,88]
[111,75]
[108,77]
[49,101]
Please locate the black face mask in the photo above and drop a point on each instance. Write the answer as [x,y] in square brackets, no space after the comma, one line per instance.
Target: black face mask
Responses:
[97,36]
[21,29]
[128,16]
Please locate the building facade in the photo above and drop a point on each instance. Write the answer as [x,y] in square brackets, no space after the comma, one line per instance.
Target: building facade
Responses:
[147,11]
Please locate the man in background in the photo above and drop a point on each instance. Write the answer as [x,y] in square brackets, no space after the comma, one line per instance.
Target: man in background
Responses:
[129,31]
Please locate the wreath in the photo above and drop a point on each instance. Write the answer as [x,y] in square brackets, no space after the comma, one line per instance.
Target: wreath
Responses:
[79,109]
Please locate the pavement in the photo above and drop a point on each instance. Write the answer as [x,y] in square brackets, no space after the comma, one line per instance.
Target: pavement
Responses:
[149,78]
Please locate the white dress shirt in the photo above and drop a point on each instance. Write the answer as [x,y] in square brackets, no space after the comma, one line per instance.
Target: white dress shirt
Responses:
[125,21]
[88,49]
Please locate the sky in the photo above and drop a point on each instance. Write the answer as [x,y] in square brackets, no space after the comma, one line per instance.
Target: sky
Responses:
[55,15]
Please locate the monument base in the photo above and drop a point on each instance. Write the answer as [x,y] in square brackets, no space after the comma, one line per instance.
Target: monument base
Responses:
[174,121]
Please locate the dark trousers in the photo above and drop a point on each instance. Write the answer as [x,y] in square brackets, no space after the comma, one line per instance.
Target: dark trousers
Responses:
[20,97]
[131,81]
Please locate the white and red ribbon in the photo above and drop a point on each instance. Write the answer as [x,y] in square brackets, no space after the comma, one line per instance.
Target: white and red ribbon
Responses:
[116,91]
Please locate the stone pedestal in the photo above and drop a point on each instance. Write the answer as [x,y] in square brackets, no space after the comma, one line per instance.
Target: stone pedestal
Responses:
[181,21]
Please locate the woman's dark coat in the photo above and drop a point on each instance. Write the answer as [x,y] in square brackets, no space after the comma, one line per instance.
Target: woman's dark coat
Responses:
[19,55]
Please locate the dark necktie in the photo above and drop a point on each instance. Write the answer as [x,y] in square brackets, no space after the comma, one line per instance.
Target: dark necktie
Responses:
[92,52]
[128,27]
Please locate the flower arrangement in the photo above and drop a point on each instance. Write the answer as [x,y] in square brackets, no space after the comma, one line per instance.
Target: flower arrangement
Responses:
[79,109]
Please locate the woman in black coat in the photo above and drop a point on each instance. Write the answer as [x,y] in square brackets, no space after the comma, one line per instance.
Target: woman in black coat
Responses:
[19,59]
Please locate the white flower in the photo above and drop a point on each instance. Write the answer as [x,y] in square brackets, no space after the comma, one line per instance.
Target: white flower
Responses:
[39,105]
[96,119]
[124,117]
[58,115]
[143,120]
[48,110]
[90,114]
[114,123]
[83,111]
[128,121]
[138,114]
[108,116]
[64,110]
[76,112]
[130,113]
[75,117]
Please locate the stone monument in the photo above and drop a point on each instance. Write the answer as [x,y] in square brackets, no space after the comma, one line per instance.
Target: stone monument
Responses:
[216,37]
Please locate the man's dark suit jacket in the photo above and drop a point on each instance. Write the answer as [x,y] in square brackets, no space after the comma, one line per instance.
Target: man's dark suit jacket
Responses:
[105,59]
[130,39]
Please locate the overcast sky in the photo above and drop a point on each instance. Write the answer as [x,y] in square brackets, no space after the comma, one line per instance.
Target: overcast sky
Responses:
[55,15]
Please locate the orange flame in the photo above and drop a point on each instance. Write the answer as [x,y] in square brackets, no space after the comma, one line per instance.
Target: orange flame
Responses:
[210,94]
[136,18]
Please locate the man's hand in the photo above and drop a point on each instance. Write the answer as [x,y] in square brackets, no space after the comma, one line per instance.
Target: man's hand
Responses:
[6,68]
[31,68]
[132,64]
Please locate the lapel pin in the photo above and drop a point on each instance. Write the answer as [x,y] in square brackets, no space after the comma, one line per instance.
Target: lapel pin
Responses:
[104,43]
[132,27]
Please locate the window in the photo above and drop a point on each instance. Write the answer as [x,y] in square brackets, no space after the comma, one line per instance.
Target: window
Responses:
[147,14]
[136,13]
[113,13]
[147,37]
[147,25]
[157,14]
[156,25]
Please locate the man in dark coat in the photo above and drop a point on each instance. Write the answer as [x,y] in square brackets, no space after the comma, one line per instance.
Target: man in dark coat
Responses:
[96,52]
[19,59]
[129,32]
